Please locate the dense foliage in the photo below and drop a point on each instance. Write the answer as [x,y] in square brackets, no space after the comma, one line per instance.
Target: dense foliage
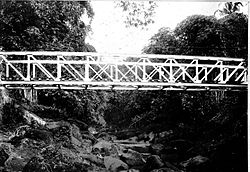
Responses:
[51,26]
[44,25]
[137,14]
[216,122]
[204,36]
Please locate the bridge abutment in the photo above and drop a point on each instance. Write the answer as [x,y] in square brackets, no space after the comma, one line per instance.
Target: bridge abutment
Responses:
[31,95]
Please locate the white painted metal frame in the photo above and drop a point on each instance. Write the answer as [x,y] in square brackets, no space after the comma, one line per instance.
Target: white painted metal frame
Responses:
[84,70]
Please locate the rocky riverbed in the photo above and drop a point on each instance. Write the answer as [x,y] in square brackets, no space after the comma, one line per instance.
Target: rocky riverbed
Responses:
[63,146]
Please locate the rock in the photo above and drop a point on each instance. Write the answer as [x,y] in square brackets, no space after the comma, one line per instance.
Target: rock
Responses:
[181,145]
[92,130]
[170,166]
[165,134]
[139,147]
[102,145]
[147,137]
[75,132]
[86,146]
[130,170]
[133,139]
[105,136]
[80,124]
[157,148]
[75,136]
[106,148]
[170,154]
[18,135]
[15,164]
[29,148]
[153,162]
[39,164]
[3,157]
[39,135]
[89,137]
[164,170]
[36,164]
[196,164]
[33,119]
[61,159]
[132,158]
[176,150]
[114,165]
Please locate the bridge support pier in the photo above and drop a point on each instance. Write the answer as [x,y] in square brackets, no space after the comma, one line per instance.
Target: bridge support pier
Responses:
[31,95]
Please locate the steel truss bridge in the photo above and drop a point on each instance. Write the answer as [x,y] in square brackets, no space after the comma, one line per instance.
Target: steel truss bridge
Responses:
[84,70]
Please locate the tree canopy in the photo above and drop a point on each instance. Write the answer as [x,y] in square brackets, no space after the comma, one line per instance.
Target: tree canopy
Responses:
[205,36]
[44,25]
[138,14]
[226,8]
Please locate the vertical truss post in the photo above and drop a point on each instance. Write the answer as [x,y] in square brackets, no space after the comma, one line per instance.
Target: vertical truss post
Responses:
[33,71]
[111,72]
[183,74]
[116,73]
[160,73]
[144,70]
[87,64]
[221,78]
[244,79]
[171,77]
[136,72]
[227,75]
[196,79]
[59,68]
[7,71]
[206,73]
[28,68]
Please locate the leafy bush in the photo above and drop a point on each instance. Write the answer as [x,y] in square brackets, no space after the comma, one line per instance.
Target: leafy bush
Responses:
[86,106]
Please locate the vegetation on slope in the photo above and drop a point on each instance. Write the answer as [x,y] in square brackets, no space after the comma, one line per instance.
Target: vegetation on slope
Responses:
[182,128]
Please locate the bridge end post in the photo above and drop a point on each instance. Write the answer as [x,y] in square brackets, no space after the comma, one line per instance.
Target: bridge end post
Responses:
[31,95]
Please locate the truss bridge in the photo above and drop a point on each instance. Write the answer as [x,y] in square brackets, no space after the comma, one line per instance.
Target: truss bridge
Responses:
[85,70]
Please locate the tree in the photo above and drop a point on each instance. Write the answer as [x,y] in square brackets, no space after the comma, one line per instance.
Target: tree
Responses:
[234,34]
[44,25]
[204,36]
[52,26]
[137,14]
[196,35]
[227,8]
[163,42]
[199,35]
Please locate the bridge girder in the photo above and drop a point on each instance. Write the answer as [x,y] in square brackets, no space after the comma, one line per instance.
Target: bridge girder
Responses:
[83,70]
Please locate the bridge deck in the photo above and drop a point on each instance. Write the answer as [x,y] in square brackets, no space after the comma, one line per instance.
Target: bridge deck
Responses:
[83,70]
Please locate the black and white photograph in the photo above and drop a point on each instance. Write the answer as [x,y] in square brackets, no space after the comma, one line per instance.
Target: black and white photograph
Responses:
[124,86]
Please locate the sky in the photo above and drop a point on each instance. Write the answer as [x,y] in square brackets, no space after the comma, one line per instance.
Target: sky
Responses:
[109,34]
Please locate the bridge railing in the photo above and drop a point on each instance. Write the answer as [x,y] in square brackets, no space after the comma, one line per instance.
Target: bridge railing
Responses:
[80,70]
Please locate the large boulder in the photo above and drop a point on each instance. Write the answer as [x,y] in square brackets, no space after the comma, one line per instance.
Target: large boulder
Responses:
[132,158]
[69,135]
[25,131]
[20,155]
[15,164]
[114,164]
[196,164]
[39,164]
[54,158]
[36,164]
[157,149]
[153,162]
[29,148]
[106,148]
